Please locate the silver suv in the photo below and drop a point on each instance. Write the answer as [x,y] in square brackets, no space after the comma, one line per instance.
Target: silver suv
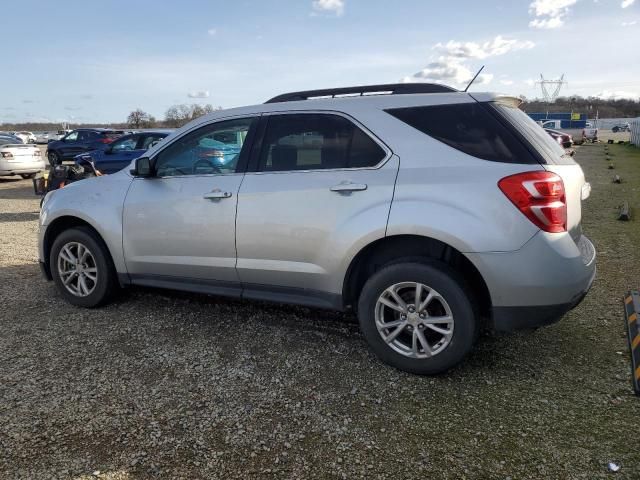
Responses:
[429,212]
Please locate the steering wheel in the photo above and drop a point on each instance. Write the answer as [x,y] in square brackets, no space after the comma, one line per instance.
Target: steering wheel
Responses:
[206,163]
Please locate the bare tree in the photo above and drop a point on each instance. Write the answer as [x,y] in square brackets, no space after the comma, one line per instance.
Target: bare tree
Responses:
[140,119]
[179,115]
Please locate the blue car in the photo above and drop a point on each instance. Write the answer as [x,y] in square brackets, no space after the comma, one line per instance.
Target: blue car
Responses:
[121,151]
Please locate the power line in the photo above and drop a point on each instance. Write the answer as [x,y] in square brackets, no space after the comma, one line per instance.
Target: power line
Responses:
[551,88]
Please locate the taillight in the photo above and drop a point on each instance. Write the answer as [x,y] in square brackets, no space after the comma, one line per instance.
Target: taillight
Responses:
[540,196]
[7,155]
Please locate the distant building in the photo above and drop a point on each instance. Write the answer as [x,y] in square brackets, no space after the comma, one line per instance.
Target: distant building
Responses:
[567,120]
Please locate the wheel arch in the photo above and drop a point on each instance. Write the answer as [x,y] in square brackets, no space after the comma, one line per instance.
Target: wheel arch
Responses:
[61,224]
[393,249]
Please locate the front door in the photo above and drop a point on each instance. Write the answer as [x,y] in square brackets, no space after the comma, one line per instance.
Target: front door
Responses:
[179,226]
[320,185]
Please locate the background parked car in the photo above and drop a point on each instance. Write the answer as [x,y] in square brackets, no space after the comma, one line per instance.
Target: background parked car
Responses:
[563,139]
[12,136]
[16,158]
[120,152]
[43,137]
[624,127]
[79,141]
[27,137]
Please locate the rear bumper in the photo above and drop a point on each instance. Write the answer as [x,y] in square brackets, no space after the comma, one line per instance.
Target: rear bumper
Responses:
[16,168]
[507,319]
[536,285]
[20,168]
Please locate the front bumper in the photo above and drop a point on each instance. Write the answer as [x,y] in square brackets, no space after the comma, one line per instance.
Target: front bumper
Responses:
[536,285]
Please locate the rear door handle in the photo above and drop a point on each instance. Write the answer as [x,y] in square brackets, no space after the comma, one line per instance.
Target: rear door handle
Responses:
[346,187]
[216,194]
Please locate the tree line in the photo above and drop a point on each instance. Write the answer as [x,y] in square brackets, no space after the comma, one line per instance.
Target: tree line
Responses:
[592,106]
[175,117]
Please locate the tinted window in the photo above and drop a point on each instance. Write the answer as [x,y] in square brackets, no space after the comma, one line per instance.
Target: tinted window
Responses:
[203,152]
[468,127]
[316,141]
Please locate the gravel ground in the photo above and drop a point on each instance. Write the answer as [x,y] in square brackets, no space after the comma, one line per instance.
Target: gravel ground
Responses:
[168,385]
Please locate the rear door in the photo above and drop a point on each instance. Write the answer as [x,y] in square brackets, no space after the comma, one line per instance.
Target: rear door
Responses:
[317,183]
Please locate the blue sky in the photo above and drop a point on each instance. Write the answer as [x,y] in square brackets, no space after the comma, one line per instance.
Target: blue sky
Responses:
[84,61]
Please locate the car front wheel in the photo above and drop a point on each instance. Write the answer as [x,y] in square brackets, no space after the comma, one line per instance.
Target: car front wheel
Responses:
[54,159]
[418,317]
[82,268]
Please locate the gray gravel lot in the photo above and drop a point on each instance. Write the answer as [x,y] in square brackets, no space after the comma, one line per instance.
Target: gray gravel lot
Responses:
[169,385]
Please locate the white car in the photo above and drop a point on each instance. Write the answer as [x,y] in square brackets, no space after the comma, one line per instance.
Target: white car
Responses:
[19,159]
[44,137]
[26,137]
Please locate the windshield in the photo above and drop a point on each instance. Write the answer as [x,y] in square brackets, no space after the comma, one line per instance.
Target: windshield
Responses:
[544,144]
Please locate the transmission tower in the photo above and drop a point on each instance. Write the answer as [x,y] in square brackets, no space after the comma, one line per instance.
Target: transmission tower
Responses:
[551,88]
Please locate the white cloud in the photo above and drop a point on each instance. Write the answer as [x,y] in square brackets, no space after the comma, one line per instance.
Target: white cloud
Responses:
[491,48]
[549,13]
[328,6]
[506,82]
[629,24]
[530,82]
[448,70]
[212,31]
[627,3]
[198,94]
[615,95]
[451,65]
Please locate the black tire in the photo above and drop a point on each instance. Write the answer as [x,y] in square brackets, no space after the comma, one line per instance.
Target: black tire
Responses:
[54,159]
[27,176]
[445,281]
[106,283]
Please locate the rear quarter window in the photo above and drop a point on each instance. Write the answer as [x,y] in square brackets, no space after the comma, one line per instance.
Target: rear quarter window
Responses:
[468,127]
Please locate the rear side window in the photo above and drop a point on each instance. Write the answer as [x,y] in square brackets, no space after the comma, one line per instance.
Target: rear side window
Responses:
[468,127]
[316,142]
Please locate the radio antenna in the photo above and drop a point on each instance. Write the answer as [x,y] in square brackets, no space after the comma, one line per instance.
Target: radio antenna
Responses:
[474,78]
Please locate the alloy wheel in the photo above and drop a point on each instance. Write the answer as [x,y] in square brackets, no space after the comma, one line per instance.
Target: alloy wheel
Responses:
[77,269]
[414,320]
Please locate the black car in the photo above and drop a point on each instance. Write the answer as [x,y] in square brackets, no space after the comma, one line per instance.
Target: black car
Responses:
[79,141]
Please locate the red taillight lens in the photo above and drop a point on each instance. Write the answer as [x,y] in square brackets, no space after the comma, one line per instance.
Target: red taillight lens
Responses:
[540,197]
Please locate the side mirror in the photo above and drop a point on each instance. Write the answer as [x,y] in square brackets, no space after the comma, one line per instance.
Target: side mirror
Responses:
[143,168]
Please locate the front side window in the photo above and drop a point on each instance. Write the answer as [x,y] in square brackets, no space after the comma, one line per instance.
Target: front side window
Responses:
[213,149]
[72,137]
[124,144]
[315,142]
[468,127]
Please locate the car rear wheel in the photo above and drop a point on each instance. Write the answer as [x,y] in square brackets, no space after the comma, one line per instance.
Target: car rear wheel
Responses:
[28,175]
[418,317]
[54,159]
[82,268]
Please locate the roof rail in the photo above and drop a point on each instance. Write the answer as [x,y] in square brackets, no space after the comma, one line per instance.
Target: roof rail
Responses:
[387,89]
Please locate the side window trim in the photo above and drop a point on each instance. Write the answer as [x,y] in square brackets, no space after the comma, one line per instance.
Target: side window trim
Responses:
[261,130]
[243,160]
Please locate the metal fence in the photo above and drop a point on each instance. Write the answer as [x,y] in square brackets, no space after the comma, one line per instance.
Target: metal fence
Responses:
[635,132]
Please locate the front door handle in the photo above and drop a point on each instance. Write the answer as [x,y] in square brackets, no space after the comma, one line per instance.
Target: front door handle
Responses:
[216,195]
[347,187]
